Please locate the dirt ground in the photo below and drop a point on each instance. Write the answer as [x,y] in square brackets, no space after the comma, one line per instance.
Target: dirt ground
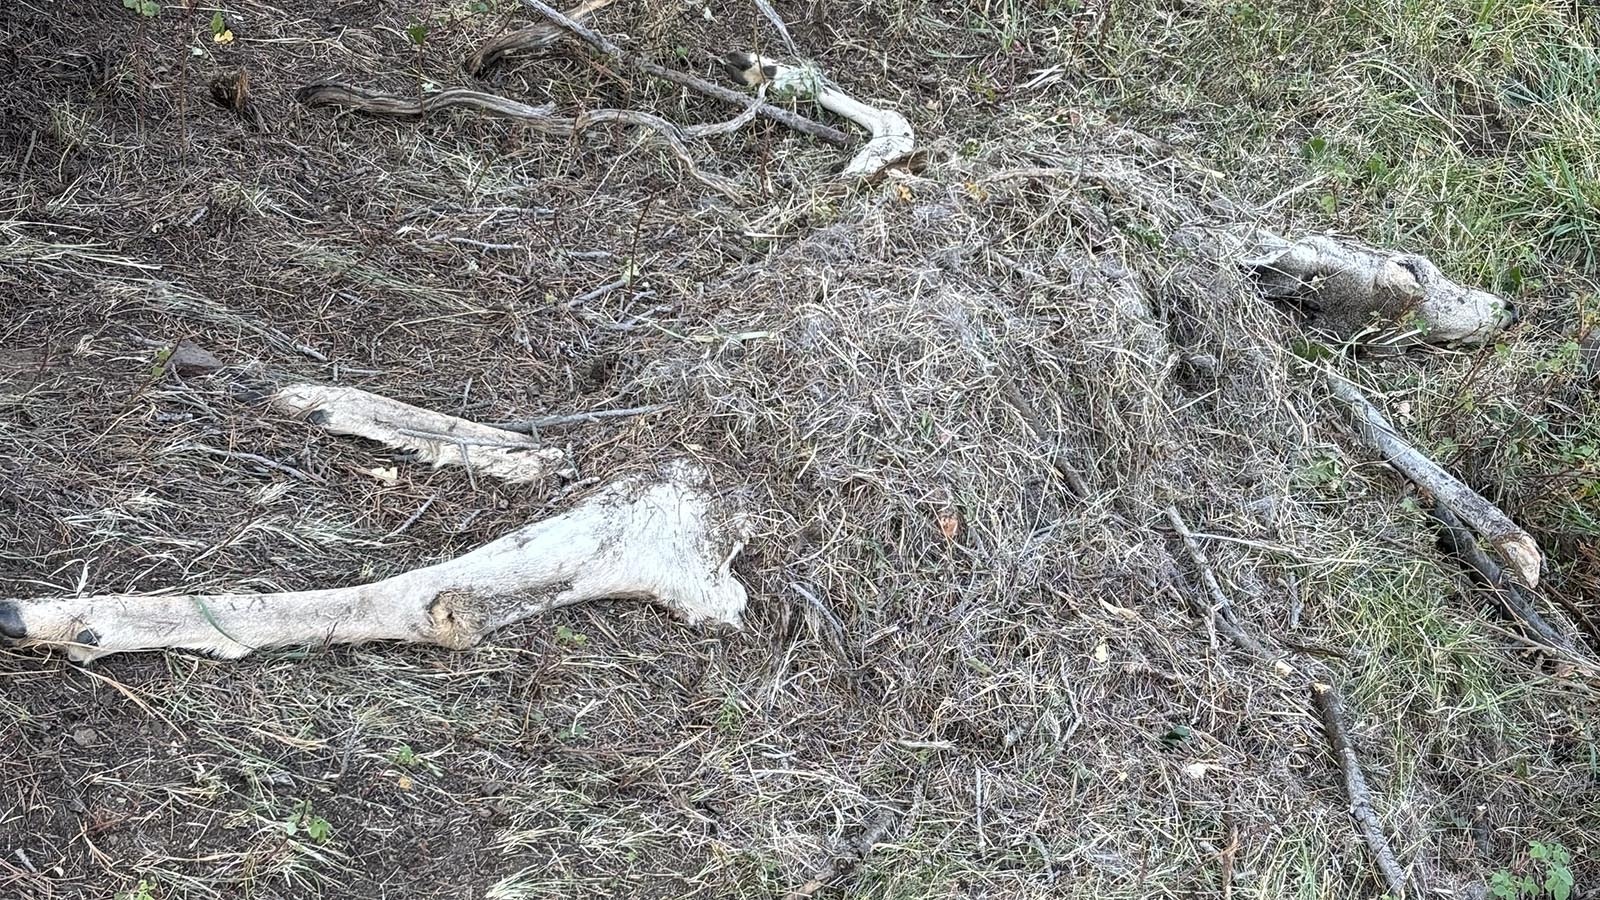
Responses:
[1029,707]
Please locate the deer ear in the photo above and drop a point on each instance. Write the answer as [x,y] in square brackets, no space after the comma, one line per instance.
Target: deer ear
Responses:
[1397,277]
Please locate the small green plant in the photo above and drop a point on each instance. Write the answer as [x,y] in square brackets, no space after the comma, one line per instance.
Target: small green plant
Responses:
[144,890]
[315,827]
[565,635]
[147,8]
[418,33]
[1557,882]
[403,755]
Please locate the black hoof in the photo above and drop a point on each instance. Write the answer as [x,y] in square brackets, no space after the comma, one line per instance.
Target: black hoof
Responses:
[87,638]
[11,621]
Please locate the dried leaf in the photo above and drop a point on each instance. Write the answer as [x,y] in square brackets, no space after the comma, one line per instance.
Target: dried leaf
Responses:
[949,524]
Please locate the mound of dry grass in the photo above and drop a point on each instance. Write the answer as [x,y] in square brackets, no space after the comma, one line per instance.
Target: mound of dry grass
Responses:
[967,399]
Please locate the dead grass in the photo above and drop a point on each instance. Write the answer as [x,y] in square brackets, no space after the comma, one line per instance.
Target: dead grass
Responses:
[1032,702]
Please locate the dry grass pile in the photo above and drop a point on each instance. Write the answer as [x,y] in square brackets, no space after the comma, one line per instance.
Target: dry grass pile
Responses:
[996,676]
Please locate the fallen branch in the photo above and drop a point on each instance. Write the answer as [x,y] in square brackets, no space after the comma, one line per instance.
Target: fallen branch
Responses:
[541,118]
[532,39]
[667,536]
[892,138]
[1351,286]
[1515,545]
[693,82]
[1330,708]
[1514,600]
[1325,699]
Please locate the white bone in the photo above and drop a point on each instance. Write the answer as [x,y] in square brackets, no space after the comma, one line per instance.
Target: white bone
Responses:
[669,538]
[892,136]
[433,437]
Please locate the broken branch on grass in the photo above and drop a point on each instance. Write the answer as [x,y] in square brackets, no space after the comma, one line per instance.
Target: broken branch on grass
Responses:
[1330,708]
[693,82]
[1515,545]
[1351,285]
[892,138]
[668,535]
[532,39]
[1516,601]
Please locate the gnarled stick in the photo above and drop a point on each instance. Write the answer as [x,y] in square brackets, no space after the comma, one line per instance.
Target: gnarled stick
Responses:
[692,82]
[669,536]
[1351,287]
[892,137]
[1515,545]
[1516,601]
[530,39]
[540,118]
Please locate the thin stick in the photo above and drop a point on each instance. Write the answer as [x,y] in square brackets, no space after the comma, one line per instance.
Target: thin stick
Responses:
[532,426]
[255,458]
[777,23]
[1330,706]
[693,82]
[1516,546]
[1220,614]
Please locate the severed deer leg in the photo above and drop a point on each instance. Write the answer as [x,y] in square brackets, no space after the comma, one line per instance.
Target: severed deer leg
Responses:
[668,536]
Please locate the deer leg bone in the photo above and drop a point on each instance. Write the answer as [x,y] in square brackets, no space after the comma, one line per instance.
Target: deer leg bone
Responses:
[668,538]
[892,138]
[1352,286]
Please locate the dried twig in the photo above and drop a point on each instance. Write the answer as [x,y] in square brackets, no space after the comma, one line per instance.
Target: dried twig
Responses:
[778,24]
[1219,615]
[1560,640]
[1516,546]
[532,426]
[693,82]
[847,862]
[533,38]
[1330,707]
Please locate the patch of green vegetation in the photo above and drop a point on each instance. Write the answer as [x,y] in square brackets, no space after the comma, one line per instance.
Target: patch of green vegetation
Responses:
[144,890]
[1550,876]
[305,821]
